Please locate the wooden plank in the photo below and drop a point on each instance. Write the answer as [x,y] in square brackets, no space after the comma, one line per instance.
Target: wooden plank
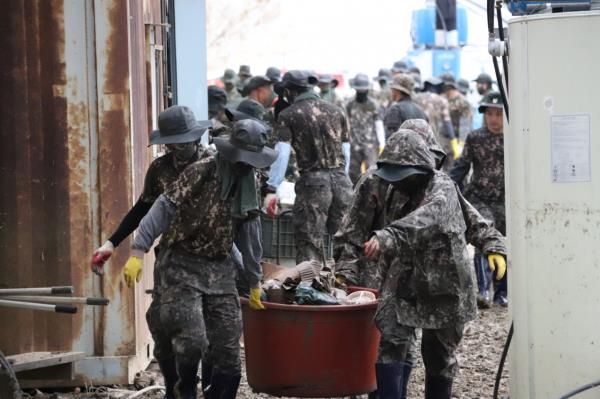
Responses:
[36,360]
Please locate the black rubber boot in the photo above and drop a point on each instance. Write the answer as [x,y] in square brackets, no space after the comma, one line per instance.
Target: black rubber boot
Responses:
[224,386]
[389,379]
[405,377]
[169,372]
[187,386]
[207,370]
[438,387]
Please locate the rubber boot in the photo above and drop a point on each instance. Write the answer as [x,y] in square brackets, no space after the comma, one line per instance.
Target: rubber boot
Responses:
[207,370]
[169,372]
[405,377]
[389,379]
[224,386]
[187,386]
[438,387]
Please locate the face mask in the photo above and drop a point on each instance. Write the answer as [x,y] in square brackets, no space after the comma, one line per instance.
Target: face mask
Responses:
[412,184]
[362,96]
[183,152]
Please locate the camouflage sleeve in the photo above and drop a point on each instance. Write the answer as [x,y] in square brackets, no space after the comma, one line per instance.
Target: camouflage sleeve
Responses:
[187,184]
[356,228]
[282,130]
[480,232]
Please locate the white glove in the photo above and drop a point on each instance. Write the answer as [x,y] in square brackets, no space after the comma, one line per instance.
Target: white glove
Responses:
[100,256]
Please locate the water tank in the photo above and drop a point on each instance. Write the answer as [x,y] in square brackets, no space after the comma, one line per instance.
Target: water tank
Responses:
[552,157]
[423,26]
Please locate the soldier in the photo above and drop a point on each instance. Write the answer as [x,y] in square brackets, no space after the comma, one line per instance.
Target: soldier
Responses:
[484,152]
[463,86]
[217,101]
[383,97]
[484,86]
[230,84]
[244,76]
[363,118]
[259,90]
[422,251]
[403,108]
[399,67]
[327,85]
[318,131]
[438,113]
[194,303]
[460,111]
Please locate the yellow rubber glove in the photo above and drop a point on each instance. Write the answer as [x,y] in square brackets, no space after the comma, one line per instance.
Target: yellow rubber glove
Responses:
[133,270]
[381,148]
[455,148]
[497,264]
[340,281]
[255,302]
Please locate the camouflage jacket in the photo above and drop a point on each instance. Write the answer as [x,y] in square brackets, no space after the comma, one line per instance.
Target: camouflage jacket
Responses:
[426,267]
[383,98]
[461,116]
[316,130]
[202,224]
[484,152]
[362,118]
[437,110]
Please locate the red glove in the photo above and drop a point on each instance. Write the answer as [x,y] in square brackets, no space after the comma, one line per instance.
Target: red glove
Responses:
[100,256]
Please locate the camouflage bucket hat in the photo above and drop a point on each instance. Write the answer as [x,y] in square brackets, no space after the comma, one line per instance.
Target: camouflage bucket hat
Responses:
[228,76]
[247,144]
[178,125]
[404,83]
[424,129]
[406,148]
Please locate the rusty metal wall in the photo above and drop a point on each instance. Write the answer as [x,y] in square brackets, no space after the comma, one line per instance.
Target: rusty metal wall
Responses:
[74,125]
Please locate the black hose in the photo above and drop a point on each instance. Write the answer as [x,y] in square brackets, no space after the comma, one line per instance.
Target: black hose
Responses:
[581,389]
[501,35]
[503,360]
[501,86]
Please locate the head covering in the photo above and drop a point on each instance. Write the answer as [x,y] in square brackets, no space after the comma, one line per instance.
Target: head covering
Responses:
[448,81]
[484,78]
[298,78]
[491,100]
[217,99]
[178,125]
[384,74]
[405,154]
[432,84]
[274,74]
[247,109]
[463,86]
[414,70]
[254,83]
[399,67]
[425,130]
[244,71]
[246,144]
[328,79]
[404,83]
[360,82]
[228,76]
[417,80]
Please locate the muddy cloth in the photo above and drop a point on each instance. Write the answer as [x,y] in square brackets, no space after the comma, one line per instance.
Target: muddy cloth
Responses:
[462,116]
[438,347]
[322,199]
[399,112]
[364,147]
[161,173]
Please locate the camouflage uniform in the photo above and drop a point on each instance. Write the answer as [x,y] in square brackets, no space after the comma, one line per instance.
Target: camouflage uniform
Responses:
[383,98]
[331,97]
[316,130]
[461,115]
[399,112]
[234,97]
[194,302]
[426,270]
[364,148]
[438,111]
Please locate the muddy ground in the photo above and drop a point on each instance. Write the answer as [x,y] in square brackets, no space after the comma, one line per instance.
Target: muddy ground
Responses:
[478,357]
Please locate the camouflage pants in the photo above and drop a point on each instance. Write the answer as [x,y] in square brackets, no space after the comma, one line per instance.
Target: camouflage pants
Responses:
[438,347]
[204,327]
[322,199]
[366,154]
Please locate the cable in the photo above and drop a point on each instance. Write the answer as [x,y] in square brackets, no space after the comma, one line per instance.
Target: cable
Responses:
[490,19]
[581,389]
[503,360]
[501,35]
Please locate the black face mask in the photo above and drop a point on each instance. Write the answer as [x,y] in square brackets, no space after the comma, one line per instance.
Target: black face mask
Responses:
[362,96]
[412,184]
[183,152]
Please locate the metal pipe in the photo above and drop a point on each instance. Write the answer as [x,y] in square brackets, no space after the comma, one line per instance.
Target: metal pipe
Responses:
[38,306]
[37,291]
[58,299]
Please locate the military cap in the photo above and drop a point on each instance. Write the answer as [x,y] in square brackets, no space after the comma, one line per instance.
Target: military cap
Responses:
[384,74]
[360,82]
[328,79]
[177,125]
[247,144]
[404,83]
[254,83]
[405,154]
[399,67]
[247,109]
[228,76]
[298,78]
[244,71]
[448,80]
[274,74]
[217,99]
[463,86]
[491,100]
[484,78]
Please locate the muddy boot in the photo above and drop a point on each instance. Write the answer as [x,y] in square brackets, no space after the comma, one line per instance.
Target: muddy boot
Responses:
[389,379]
[206,378]
[405,377]
[187,386]
[224,386]
[169,372]
[438,387]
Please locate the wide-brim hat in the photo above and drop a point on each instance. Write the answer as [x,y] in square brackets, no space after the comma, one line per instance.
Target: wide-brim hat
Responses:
[394,173]
[178,125]
[247,144]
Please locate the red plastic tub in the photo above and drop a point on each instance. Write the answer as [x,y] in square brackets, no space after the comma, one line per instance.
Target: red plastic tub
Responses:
[311,351]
